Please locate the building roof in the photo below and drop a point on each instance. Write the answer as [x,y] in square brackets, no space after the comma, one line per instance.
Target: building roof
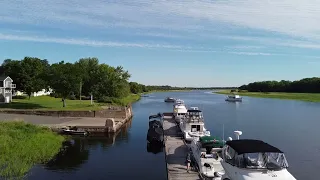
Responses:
[251,146]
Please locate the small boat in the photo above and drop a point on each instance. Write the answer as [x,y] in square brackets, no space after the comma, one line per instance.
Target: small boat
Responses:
[73,130]
[234,98]
[206,153]
[170,99]
[258,159]
[179,110]
[192,126]
[155,133]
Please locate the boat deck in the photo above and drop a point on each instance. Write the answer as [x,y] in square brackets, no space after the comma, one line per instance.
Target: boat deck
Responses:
[176,152]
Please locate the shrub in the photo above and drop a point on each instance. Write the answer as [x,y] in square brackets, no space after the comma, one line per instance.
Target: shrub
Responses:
[110,100]
[72,97]
[19,97]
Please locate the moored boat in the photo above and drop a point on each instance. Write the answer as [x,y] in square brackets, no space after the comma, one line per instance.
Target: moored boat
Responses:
[155,133]
[73,130]
[179,110]
[193,126]
[253,159]
[234,98]
[170,100]
[206,154]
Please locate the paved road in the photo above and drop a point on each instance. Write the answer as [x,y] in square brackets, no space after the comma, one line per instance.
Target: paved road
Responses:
[55,121]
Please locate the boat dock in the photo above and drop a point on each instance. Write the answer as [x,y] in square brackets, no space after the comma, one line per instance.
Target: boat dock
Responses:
[176,151]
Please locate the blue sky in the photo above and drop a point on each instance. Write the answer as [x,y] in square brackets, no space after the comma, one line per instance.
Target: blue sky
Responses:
[178,42]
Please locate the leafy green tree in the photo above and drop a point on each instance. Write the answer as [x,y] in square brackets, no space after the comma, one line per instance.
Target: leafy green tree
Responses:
[135,87]
[89,69]
[64,79]
[28,74]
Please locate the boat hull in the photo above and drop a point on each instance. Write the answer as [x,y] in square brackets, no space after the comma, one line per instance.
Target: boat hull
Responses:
[234,100]
[155,135]
[71,132]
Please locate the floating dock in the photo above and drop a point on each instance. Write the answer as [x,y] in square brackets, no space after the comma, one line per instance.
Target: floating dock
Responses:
[176,151]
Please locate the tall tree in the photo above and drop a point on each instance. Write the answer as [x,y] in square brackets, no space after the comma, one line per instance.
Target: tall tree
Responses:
[12,68]
[28,74]
[135,87]
[89,69]
[64,79]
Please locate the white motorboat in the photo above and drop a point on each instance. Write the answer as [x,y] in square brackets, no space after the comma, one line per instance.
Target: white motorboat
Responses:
[206,154]
[192,126]
[248,159]
[179,110]
[234,98]
[169,100]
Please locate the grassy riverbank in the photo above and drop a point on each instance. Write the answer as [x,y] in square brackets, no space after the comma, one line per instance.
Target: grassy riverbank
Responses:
[311,97]
[51,103]
[127,100]
[24,145]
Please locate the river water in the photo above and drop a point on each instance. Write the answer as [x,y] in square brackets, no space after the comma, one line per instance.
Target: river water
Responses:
[292,126]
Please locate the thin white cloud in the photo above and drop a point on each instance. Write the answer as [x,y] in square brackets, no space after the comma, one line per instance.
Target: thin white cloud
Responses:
[291,17]
[84,42]
[253,53]
[245,47]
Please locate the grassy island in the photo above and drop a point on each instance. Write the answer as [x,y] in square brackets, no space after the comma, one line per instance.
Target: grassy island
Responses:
[23,145]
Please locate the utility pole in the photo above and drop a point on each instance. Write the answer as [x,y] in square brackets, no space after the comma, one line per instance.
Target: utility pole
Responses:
[80,89]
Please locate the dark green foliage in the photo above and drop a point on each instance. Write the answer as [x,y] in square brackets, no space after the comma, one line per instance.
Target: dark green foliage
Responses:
[28,74]
[306,85]
[85,77]
[19,97]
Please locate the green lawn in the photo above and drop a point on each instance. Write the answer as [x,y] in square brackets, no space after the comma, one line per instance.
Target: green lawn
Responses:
[51,103]
[311,97]
[24,145]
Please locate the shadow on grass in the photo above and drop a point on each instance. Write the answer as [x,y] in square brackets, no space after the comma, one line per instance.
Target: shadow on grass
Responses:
[20,105]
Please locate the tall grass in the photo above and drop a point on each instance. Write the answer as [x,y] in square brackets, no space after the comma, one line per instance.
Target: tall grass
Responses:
[23,145]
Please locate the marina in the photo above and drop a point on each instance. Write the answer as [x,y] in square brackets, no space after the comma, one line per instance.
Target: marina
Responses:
[89,154]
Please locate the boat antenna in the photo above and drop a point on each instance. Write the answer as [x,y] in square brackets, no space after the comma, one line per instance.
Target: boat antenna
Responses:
[223,133]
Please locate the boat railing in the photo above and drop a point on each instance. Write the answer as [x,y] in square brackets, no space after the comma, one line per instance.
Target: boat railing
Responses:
[191,120]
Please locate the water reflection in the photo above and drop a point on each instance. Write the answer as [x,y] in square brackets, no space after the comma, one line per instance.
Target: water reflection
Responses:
[75,152]
[154,148]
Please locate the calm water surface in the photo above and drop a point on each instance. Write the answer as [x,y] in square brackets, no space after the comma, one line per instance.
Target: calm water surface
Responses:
[292,126]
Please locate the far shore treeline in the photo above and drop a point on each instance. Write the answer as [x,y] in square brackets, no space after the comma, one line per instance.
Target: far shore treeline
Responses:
[306,85]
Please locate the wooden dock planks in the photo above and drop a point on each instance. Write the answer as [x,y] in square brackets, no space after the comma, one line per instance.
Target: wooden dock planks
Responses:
[176,152]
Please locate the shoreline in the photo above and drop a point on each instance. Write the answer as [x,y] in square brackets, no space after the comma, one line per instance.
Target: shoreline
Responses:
[307,97]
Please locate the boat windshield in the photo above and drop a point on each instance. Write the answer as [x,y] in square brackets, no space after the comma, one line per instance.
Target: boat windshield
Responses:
[195,114]
[262,160]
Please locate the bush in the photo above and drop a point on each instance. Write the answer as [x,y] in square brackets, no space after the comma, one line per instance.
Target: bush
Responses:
[72,97]
[1,98]
[54,95]
[243,91]
[110,100]
[19,97]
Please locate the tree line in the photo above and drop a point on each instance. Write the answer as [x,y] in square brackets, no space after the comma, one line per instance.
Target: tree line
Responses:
[306,85]
[83,78]
[168,88]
